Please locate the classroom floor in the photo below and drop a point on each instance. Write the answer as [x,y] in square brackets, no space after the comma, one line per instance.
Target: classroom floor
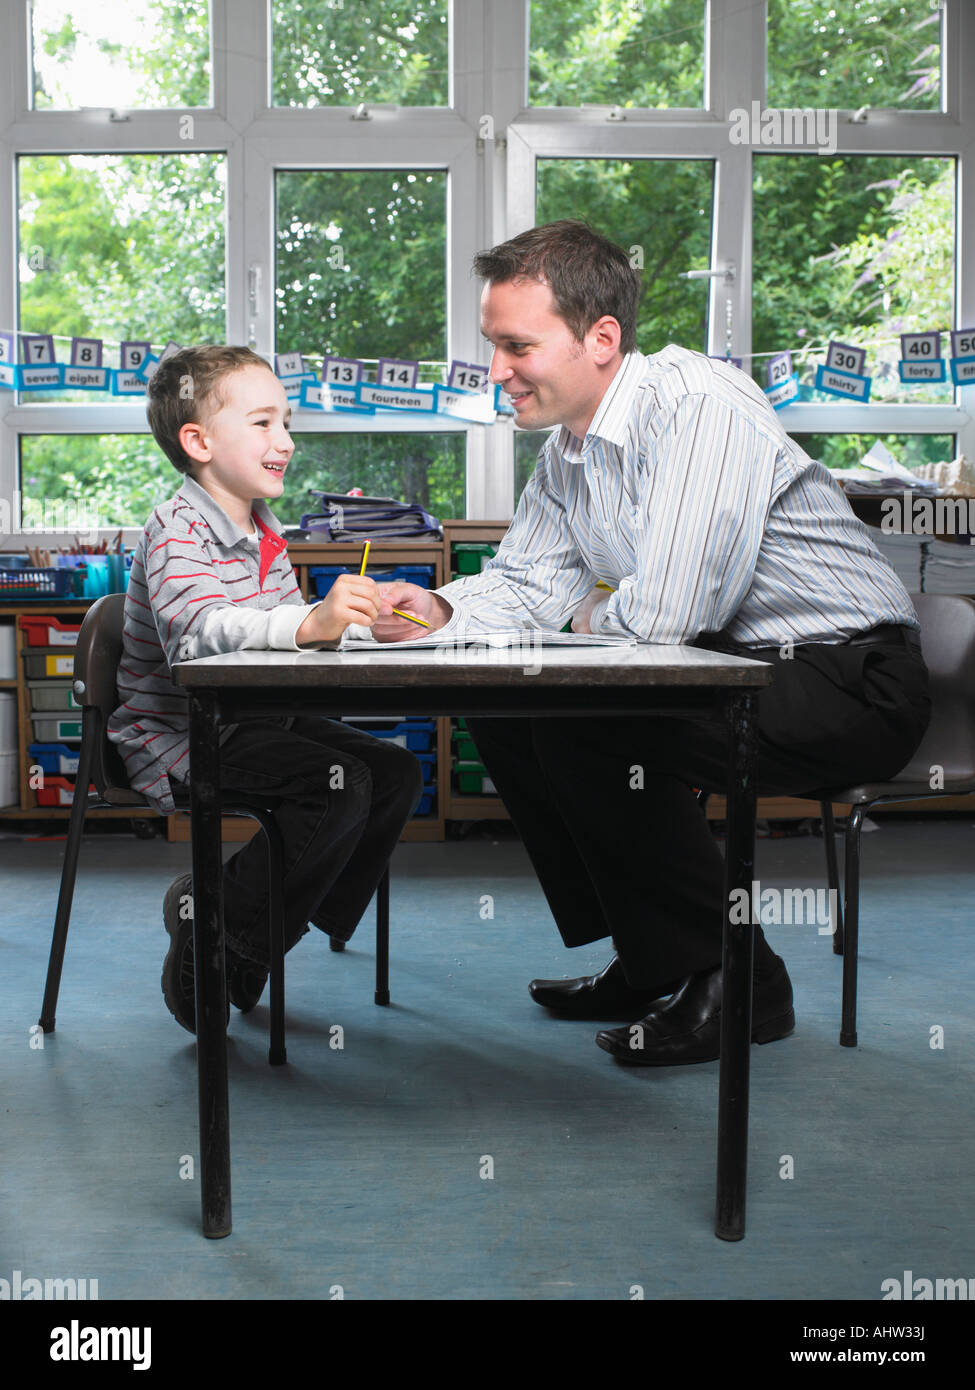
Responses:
[368,1167]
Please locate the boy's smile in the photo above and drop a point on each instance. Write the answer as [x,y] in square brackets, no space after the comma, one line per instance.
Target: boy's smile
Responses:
[242,451]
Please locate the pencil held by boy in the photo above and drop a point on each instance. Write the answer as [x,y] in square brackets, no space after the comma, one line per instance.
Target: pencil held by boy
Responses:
[211,574]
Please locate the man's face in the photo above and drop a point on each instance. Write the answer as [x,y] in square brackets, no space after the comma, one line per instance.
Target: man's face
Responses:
[247,438]
[549,376]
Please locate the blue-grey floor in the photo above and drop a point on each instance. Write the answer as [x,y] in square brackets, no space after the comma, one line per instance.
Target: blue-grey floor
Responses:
[366,1168]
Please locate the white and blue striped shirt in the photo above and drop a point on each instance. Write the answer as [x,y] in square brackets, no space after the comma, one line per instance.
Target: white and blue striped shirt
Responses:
[689,499]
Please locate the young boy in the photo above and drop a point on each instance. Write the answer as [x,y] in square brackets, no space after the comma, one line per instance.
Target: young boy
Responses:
[211,574]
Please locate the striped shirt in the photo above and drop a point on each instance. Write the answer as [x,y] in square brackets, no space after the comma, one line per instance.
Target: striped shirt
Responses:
[199,586]
[689,499]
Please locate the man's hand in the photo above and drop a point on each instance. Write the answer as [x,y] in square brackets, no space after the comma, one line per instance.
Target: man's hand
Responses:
[580,618]
[409,598]
[353,598]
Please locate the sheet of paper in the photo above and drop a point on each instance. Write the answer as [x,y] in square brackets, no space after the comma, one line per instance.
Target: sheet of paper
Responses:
[513,637]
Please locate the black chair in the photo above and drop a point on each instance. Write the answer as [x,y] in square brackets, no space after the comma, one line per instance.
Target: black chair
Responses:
[948,644]
[97,656]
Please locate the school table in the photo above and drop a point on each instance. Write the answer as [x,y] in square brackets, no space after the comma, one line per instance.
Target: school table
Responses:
[526,680]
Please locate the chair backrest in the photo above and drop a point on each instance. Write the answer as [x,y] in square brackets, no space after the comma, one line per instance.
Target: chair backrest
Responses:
[96,660]
[948,644]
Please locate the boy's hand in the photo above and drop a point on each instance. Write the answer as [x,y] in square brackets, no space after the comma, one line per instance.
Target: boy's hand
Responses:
[409,598]
[353,598]
[580,618]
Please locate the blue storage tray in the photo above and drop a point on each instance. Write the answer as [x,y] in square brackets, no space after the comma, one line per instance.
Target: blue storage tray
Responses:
[416,734]
[324,576]
[56,758]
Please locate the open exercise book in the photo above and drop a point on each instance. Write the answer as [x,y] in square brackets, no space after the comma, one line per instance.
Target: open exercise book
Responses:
[511,637]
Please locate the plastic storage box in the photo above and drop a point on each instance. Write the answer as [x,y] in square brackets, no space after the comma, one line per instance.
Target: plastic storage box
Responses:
[52,695]
[54,757]
[44,631]
[57,791]
[324,576]
[37,666]
[415,734]
[60,726]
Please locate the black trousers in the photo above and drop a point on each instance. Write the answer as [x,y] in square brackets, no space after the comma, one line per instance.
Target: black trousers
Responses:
[607,810]
[341,799]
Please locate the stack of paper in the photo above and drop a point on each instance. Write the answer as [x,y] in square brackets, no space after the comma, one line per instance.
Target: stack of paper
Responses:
[949,567]
[904,553]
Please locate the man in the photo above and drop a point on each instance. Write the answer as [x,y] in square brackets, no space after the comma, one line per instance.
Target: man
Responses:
[669,478]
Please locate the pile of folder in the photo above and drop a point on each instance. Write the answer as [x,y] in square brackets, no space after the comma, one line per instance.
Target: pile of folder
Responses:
[339,517]
[949,567]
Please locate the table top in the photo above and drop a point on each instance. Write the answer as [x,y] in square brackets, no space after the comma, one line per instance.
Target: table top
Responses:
[640,665]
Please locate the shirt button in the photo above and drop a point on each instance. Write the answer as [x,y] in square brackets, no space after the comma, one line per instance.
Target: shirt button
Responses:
[597,472]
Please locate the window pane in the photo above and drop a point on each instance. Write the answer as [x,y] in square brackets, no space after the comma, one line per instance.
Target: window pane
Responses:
[635,53]
[342,52]
[94,263]
[841,451]
[852,53]
[856,249]
[659,211]
[425,468]
[95,479]
[74,482]
[362,263]
[152,54]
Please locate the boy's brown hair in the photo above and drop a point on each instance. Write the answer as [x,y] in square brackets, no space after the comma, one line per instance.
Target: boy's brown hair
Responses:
[185,389]
[589,276]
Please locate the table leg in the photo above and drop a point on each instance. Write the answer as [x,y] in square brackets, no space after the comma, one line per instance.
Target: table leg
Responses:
[210,964]
[737,954]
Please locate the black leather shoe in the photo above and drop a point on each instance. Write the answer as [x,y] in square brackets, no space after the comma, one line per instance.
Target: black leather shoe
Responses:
[688,1027]
[606,995]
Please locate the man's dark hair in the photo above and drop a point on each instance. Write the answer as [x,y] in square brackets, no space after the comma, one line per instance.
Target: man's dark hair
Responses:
[589,276]
[185,389]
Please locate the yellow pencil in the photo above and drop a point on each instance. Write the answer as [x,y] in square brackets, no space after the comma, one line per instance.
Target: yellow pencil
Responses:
[365,557]
[400,614]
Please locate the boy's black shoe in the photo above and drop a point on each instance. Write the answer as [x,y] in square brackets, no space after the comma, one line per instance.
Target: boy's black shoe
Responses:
[178,979]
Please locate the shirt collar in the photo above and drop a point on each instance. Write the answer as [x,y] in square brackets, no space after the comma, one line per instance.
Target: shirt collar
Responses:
[226,531]
[610,420]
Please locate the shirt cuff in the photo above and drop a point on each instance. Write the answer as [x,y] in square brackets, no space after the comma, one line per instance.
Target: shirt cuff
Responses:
[283,625]
[598,614]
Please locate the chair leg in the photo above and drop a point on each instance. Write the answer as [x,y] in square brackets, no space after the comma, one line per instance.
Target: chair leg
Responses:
[848,1026]
[832,873]
[76,825]
[382,939]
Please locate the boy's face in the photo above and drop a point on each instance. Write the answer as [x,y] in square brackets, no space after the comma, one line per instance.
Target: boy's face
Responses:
[241,452]
[550,377]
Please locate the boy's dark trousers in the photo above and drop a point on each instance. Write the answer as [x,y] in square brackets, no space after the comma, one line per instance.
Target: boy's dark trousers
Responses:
[342,798]
[607,810]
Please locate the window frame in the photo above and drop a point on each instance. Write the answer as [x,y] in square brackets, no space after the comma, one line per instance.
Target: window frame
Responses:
[490,193]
